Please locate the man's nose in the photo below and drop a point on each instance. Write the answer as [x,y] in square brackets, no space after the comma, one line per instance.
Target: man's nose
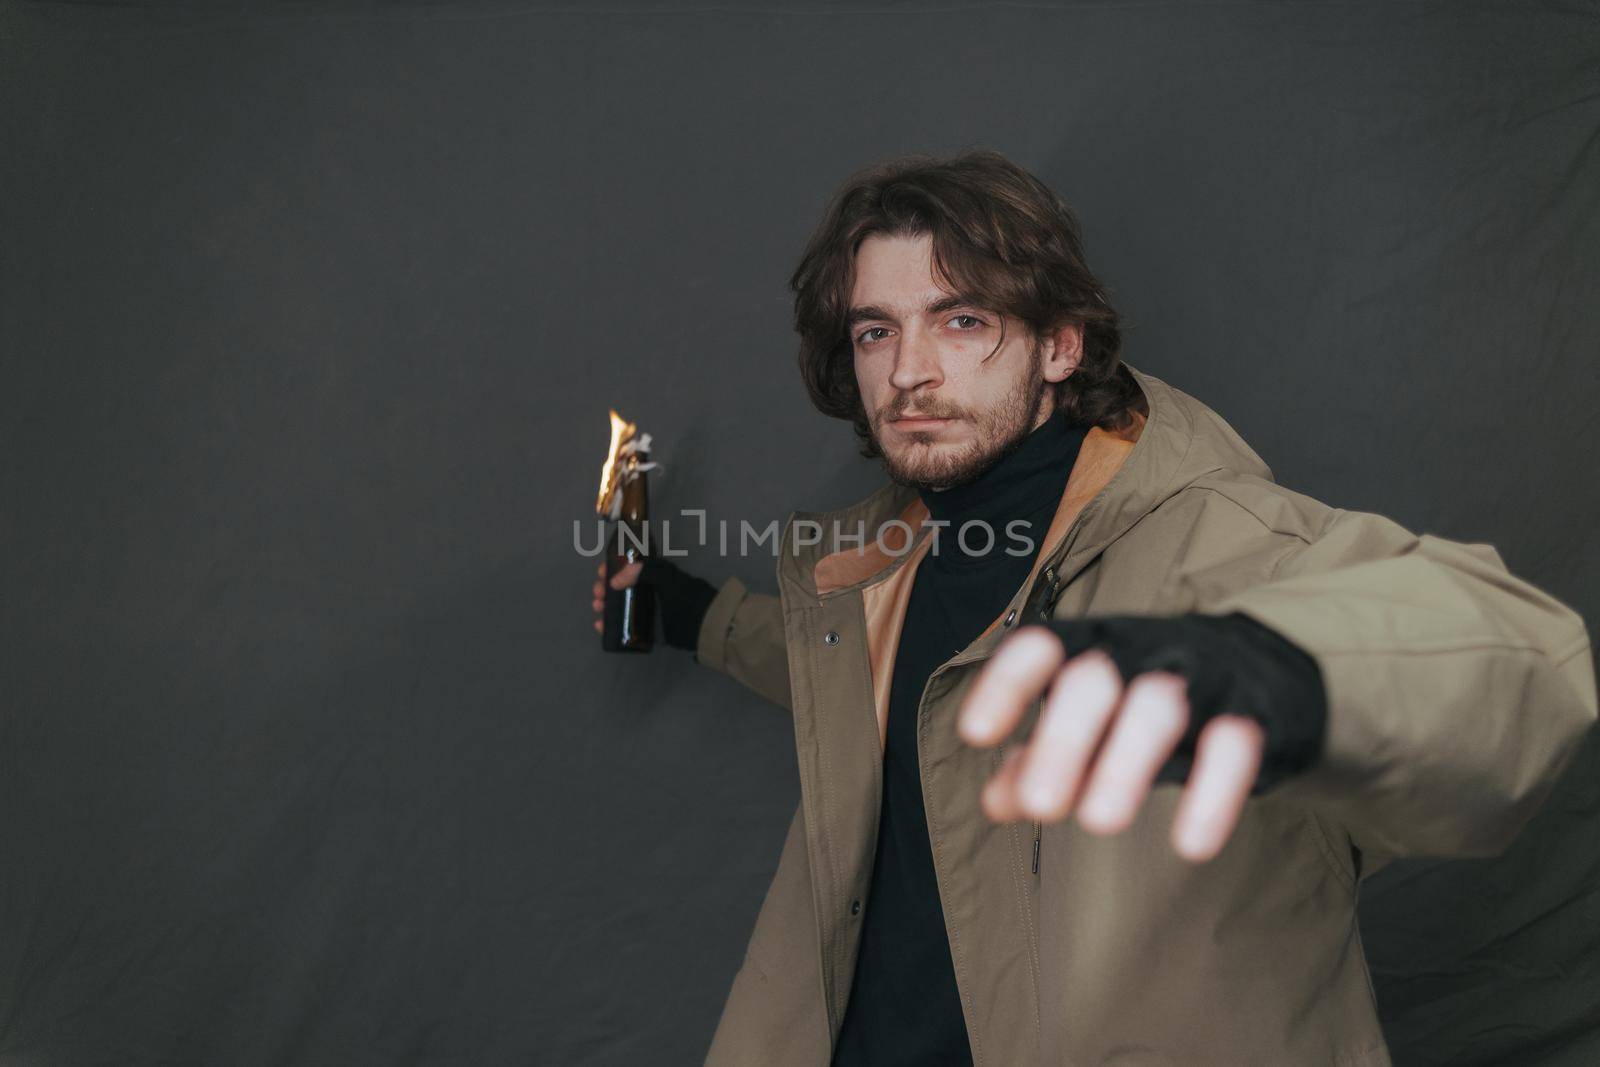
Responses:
[916,363]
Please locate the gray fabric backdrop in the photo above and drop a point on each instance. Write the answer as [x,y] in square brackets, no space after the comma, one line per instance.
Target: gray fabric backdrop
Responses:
[309,320]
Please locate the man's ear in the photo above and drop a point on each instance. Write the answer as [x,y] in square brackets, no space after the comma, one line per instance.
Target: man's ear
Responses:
[1062,351]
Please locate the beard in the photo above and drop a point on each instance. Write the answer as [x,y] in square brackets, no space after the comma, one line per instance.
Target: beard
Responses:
[924,465]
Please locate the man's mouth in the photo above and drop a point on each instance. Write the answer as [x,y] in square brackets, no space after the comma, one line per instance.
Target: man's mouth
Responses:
[918,422]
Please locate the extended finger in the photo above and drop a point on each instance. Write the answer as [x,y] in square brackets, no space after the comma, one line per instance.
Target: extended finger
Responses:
[599,627]
[1080,704]
[1149,726]
[999,796]
[1017,672]
[1227,758]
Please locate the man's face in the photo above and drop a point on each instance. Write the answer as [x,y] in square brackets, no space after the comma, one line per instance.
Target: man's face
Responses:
[943,409]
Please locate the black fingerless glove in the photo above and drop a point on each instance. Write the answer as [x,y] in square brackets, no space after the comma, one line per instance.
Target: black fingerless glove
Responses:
[1232,664]
[683,600]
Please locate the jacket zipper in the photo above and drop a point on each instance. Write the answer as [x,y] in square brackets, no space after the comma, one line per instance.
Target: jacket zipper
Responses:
[1000,751]
[1036,825]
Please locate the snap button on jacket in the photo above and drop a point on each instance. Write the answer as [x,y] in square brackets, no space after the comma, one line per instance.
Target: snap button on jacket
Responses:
[1457,693]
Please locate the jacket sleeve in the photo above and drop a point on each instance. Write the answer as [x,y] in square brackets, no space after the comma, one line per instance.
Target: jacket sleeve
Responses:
[1457,692]
[742,636]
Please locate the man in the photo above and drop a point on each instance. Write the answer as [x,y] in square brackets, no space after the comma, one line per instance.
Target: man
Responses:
[1108,797]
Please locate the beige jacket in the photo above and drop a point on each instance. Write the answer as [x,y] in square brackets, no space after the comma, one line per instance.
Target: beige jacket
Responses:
[1457,693]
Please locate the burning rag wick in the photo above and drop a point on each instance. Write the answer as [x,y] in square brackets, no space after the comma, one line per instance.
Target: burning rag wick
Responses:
[640,443]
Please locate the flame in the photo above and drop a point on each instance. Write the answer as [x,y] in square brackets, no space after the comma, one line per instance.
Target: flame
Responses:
[621,432]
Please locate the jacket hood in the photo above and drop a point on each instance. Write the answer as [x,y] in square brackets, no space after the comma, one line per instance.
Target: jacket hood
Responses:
[1117,479]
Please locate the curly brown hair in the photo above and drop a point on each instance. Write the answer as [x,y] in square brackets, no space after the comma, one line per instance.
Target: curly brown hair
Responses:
[1001,237]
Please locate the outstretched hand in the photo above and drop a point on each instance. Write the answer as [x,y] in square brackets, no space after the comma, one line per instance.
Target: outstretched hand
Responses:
[1099,743]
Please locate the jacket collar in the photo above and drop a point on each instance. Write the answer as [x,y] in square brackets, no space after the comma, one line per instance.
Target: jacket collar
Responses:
[1117,479]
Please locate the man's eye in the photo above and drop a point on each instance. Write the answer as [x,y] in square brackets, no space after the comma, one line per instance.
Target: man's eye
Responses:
[976,322]
[864,339]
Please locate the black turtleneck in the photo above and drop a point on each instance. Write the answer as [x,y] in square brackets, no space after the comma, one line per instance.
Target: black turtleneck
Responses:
[904,1006]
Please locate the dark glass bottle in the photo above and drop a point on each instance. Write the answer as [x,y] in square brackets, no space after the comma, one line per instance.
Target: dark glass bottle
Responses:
[629,620]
